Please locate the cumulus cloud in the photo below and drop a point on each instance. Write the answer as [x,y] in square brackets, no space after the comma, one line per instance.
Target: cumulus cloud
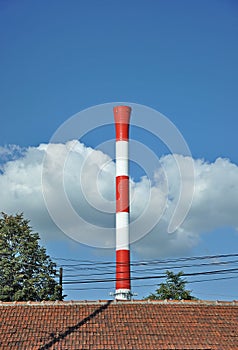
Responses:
[70,187]
[10,152]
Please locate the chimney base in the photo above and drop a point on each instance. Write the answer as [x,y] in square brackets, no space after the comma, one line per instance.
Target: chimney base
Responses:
[123,294]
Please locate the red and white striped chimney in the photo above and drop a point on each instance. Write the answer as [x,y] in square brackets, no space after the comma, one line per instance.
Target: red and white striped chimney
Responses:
[123,282]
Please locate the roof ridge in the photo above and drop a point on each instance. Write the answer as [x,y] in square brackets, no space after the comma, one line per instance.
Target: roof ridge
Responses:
[99,302]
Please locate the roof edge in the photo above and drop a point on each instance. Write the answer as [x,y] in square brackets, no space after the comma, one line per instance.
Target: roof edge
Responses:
[98,302]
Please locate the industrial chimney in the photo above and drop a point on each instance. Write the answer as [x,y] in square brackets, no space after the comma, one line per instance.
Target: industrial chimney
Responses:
[123,282]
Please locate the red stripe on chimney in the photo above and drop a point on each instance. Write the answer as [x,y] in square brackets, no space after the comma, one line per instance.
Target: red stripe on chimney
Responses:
[122,194]
[123,269]
[122,119]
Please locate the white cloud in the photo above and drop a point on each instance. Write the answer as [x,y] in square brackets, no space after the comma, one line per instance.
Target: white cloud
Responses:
[78,185]
[10,152]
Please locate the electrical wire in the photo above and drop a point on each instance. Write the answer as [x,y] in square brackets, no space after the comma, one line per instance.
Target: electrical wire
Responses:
[80,262]
[155,284]
[158,268]
[88,281]
[84,273]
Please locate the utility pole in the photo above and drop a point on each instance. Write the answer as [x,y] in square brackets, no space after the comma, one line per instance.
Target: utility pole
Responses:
[61,283]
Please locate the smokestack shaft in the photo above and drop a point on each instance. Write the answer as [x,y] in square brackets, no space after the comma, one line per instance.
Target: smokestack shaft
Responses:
[123,285]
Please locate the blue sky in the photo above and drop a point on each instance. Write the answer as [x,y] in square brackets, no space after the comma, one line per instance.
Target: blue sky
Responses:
[177,57]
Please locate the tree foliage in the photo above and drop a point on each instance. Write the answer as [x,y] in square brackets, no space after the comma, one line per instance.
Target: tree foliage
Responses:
[174,288]
[27,272]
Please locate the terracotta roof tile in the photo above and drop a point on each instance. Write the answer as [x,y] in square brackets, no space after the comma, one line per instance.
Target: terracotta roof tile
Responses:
[119,325]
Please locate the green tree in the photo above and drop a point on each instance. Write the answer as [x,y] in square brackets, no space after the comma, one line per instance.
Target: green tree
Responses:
[172,289]
[27,272]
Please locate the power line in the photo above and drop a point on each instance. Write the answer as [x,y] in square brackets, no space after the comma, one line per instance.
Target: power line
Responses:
[85,272]
[80,262]
[155,284]
[158,268]
[152,277]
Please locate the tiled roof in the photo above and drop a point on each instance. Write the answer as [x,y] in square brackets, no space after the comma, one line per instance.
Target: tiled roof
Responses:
[119,325]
